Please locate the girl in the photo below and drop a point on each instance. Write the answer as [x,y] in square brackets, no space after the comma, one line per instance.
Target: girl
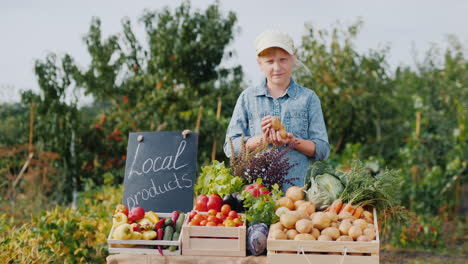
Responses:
[279,95]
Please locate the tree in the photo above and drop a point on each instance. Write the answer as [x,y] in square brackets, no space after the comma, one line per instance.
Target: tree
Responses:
[160,87]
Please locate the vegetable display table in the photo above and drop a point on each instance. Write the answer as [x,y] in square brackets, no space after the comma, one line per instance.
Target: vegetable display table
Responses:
[157,259]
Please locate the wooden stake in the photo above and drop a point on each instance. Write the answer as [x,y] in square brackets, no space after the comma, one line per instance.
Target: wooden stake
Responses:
[457,197]
[31,128]
[218,115]
[200,111]
[418,124]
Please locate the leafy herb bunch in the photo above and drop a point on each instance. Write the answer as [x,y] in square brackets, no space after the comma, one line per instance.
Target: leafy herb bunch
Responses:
[261,209]
[268,164]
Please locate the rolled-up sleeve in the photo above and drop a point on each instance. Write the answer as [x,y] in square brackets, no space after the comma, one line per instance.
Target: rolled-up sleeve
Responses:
[239,124]
[317,130]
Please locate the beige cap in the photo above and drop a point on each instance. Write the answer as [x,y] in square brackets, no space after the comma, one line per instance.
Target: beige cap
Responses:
[270,38]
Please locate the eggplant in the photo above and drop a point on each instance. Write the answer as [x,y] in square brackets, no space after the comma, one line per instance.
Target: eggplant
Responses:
[239,202]
[229,199]
[235,201]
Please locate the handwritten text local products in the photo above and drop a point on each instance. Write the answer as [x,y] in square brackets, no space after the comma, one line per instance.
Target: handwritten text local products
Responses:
[168,181]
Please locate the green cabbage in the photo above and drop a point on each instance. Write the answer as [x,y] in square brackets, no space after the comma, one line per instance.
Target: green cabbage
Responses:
[324,189]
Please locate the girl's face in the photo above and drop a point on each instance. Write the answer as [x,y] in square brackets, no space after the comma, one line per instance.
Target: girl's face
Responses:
[277,65]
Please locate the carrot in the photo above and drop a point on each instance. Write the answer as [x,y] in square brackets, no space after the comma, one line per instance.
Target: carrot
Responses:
[347,208]
[358,212]
[336,206]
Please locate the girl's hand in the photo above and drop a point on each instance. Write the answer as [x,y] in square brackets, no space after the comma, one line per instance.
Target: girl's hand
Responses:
[266,125]
[276,139]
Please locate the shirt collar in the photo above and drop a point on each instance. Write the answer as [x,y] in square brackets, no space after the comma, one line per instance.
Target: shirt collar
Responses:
[263,90]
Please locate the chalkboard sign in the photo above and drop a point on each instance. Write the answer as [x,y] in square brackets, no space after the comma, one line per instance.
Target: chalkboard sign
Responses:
[160,171]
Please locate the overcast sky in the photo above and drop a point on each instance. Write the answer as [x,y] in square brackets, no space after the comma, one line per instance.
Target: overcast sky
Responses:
[29,30]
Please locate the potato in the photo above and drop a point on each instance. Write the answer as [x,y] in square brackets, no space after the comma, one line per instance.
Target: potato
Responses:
[369,220]
[281,210]
[276,226]
[289,219]
[355,232]
[276,123]
[363,239]
[298,203]
[333,216]
[345,215]
[278,234]
[315,232]
[324,238]
[301,214]
[367,214]
[360,223]
[344,227]
[331,232]
[304,226]
[291,233]
[344,238]
[320,220]
[304,237]
[309,208]
[335,224]
[283,133]
[369,232]
[285,202]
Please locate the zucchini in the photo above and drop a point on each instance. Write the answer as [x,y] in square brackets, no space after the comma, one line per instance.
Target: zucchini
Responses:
[168,232]
[180,222]
[175,237]
[168,222]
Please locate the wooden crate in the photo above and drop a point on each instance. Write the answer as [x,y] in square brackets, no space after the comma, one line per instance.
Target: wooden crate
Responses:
[324,252]
[213,240]
[144,246]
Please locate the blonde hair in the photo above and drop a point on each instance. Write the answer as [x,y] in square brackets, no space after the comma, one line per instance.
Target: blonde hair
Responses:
[271,50]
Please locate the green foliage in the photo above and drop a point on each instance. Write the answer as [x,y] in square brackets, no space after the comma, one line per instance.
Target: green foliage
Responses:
[358,99]
[163,87]
[63,235]
[14,128]
[216,178]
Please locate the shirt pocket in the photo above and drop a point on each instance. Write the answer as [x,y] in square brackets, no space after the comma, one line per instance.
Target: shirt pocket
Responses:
[296,122]
[255,122]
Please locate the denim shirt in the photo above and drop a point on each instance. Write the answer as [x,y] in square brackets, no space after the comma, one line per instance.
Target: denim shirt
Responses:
[299,110]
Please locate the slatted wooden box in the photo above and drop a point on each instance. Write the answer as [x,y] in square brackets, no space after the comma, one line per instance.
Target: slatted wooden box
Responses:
[143,246]
[324,252]
[213,240]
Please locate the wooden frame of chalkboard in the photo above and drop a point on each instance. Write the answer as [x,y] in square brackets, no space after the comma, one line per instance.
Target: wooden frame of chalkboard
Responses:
[160,171]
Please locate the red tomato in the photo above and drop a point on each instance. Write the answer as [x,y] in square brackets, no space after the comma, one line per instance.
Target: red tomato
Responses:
[194,223]
[198,218]
[212,212]
[202,198]
[212,218]
[211,224]
[229,223]
[120,208]
[201,204]
[214,202]
[238,222]
[220,216]
[233,214]
[225,209]
[192,214]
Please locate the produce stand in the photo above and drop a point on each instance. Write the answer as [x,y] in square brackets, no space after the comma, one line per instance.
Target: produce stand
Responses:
[305,252]
[213,241]
[156,259]
[143,246]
